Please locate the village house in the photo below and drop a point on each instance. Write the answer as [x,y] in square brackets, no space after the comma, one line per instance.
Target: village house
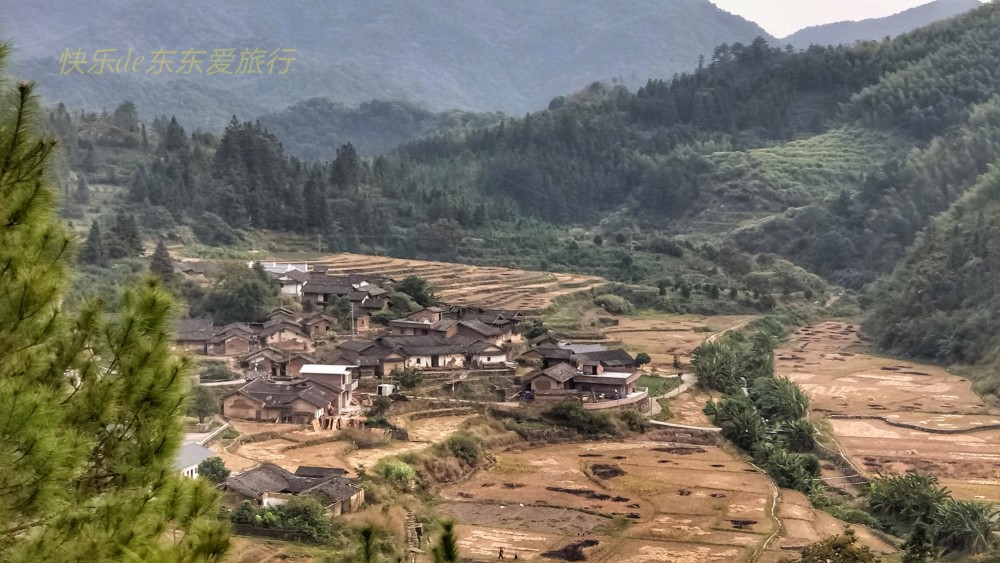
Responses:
[371,358]
[493,327]
[320,290]
[193,335]
[291,281]
[282,314]
[487,356]
[234,339]
[285,335]
[189,457]
[319,325]
[586,376]
[270,485]
[295,361]
[595,363]
[340,378]
[294,400]
[431,351]
[266,362]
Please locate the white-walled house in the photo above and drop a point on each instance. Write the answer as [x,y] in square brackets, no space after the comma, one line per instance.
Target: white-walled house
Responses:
[190,456]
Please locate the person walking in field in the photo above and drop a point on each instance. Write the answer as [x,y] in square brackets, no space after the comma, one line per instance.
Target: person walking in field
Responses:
[501,554]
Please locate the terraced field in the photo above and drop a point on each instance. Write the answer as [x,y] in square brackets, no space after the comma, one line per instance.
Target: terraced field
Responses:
[459,284]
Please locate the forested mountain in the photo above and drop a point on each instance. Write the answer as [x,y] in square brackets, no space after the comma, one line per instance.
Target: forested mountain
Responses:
[876,29]
[761,163]
[943,301]
[312,129]
[511,56]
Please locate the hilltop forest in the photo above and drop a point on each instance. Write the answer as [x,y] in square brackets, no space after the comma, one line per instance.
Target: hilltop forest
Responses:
[769,174]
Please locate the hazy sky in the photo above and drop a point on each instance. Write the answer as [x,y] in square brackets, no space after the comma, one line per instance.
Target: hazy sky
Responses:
[783,17]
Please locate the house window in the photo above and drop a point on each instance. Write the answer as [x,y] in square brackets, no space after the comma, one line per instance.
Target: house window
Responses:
[418,361]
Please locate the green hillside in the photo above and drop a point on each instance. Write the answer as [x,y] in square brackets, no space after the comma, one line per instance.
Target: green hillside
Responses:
[758,172]
[312,129]
[942,302]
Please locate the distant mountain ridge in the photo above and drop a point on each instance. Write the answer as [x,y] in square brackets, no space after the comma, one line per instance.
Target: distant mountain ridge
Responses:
[847,32]
[482,55]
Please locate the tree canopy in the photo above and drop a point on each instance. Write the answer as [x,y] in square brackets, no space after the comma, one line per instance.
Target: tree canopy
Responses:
[92,404]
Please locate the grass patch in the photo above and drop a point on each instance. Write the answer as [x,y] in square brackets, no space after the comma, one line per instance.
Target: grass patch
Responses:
[658,386]
[507,466]
[664,415]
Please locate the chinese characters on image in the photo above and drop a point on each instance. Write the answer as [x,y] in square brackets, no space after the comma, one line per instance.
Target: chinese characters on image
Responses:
[220,61]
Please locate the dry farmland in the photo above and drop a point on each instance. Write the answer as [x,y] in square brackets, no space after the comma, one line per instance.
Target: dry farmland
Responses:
[295,445]
[639,501]
[662,337]
[459,284]
[946,428]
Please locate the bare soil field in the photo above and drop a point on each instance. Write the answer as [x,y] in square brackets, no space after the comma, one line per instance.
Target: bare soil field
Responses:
[828,362]
[338,453]
[972,458]
[664,337]
[637,500]
[824,360]
[459,284]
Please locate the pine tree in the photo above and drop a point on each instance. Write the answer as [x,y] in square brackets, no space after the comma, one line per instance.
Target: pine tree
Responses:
[82,193]
[91,406]
[160,264]
[446,550]
[94,250]
[125,241]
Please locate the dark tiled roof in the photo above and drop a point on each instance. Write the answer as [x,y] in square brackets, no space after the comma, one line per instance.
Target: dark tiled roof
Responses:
[356,345]
[334,489]
[282,393]
[313,471]
[194,329]
[318,317]
[480,327]
[607,358]
[554,352]
[428,345]
[265,477]
[295,275]
[561,372]
[280,326]
[269,353]
[374,303]
[542,338]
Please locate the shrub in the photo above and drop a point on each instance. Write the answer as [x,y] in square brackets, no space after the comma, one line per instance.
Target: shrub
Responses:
[213,469]
[571,413]
[397,473]
[215,371]
[304,515]
[465,447]
[408,378]
[634,420]
[642,359]
[613,304]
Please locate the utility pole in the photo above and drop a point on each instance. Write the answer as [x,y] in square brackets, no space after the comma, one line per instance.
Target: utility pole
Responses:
[354,331]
